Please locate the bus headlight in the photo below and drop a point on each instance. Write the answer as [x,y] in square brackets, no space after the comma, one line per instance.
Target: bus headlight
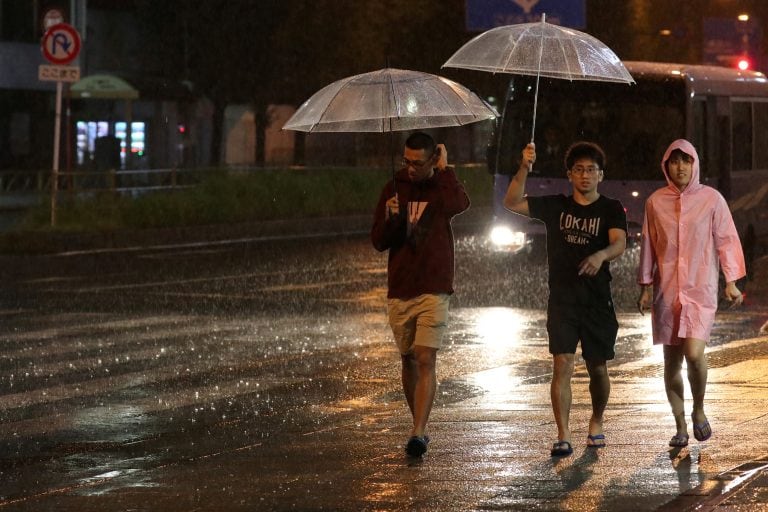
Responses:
[502,237]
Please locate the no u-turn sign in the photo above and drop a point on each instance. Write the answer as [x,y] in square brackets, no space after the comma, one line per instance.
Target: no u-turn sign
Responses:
[61,44]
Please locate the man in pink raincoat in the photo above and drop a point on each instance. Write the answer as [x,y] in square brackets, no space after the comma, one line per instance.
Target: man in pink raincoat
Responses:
[688,235]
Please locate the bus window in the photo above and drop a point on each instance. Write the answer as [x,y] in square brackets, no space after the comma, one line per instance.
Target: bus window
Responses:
[741,135]
[632,123]
[761,126]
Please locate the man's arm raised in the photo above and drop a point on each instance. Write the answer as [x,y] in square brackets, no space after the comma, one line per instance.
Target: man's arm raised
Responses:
[515,200]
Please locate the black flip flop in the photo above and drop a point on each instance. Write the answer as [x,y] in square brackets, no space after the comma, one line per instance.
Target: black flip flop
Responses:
[561,449]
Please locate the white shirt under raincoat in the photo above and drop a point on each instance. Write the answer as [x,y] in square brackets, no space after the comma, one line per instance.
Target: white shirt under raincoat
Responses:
[685,236]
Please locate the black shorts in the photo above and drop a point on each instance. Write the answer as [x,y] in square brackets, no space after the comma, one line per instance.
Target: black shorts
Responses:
[594,325]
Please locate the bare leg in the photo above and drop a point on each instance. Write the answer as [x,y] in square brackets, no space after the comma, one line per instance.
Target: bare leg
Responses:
[599,390]
[673,383]
[419,385]
[560,391]
[696,362]
[409,376]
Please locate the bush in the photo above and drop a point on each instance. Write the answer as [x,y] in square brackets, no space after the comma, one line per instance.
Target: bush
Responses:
[238,196]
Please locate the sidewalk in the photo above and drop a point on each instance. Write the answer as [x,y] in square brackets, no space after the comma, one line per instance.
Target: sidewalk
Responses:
[744,487]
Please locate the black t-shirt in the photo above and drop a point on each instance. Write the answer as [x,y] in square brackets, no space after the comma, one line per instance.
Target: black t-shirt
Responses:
[574,232]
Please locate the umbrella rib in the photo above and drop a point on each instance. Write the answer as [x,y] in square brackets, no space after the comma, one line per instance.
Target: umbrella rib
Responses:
[453,113]
[394,99]
[466,106]
[335,95]
[514,45]
[578,61]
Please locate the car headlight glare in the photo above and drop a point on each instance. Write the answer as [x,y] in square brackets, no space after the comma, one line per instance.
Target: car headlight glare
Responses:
[502,236]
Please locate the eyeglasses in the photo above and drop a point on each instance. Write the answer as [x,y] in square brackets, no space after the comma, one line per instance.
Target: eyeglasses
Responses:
[416,164]
[591,170]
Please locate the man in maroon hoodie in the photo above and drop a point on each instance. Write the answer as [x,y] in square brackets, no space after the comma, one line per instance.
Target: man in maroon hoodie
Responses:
[413,221]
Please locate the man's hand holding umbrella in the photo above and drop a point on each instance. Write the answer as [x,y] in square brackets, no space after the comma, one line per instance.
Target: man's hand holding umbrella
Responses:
[442,157]
[393,207]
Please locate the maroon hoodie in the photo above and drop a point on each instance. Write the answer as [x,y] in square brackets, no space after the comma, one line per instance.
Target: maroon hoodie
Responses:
[419,238]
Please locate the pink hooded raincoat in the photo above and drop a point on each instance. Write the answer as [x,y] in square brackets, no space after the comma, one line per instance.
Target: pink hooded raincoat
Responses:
[687,237]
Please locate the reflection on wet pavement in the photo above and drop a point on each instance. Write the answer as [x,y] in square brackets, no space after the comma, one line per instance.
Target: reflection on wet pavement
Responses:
[121,375]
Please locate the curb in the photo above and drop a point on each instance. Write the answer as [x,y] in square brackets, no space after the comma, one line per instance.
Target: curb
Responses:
[50,242]
[729,488]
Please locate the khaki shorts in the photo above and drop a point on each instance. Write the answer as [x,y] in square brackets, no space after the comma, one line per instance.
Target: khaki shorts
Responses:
[418,321]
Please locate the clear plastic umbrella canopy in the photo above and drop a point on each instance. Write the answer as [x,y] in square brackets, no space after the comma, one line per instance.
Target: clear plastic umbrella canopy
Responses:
[389,100]
[541,49]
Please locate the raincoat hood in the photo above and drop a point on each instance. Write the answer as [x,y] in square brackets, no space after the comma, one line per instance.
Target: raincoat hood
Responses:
[687,148]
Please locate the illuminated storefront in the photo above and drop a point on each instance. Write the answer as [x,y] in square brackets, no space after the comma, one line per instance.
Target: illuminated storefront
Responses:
[95,140]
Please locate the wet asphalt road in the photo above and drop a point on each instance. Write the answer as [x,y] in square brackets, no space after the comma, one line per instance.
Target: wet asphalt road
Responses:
[122,373]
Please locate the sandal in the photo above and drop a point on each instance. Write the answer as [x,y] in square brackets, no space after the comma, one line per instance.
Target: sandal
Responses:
[702,431]
[596,441]
[561,449]
[679,440]
[417,446]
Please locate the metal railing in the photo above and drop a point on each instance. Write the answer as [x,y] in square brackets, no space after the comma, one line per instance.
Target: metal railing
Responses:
[129,182]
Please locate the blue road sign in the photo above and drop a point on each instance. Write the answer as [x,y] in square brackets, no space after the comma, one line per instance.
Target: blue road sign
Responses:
[486,14]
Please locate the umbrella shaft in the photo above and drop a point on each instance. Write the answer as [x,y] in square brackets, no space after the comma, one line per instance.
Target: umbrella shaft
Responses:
[535,104]
[538,75]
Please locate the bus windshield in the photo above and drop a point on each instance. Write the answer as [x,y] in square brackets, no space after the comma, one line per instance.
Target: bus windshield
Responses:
[632,123]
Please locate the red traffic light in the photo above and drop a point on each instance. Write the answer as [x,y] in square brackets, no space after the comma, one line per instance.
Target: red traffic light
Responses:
[743,63]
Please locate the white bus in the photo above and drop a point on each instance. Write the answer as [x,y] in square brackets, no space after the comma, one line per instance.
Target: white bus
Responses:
[722,111]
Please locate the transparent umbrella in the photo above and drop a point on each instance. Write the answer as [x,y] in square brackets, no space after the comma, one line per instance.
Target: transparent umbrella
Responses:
[389,100]
[541,49]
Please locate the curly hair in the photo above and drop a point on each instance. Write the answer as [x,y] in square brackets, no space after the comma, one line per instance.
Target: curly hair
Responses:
[582,149]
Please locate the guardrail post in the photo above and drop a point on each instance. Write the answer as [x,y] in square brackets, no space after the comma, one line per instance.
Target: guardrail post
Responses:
[112,180]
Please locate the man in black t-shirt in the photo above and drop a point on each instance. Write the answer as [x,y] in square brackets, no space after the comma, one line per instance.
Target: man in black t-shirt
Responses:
[584,232]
